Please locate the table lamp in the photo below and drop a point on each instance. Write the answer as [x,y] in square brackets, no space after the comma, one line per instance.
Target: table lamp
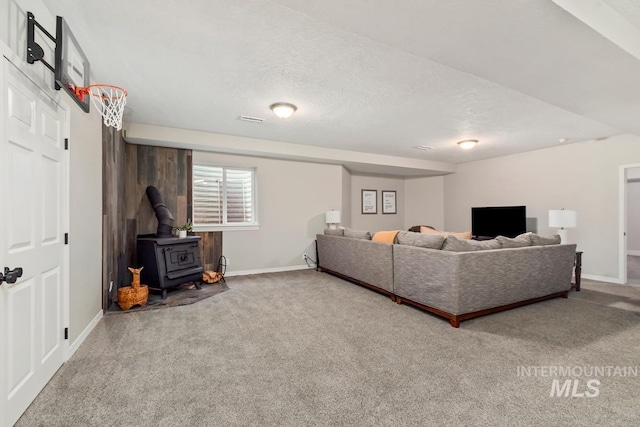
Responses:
[562,219]
[332,218]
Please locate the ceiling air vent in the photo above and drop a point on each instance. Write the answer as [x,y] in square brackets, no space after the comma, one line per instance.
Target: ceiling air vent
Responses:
[251,119]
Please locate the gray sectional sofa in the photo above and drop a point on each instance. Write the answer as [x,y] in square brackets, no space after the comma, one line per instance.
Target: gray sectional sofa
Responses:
[457,284]
[359,260]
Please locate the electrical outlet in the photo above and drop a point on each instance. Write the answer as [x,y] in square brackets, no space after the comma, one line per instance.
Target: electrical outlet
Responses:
[110,286]
[304,257]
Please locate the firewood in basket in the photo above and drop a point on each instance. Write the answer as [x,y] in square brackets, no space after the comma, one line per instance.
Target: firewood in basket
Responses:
[210,276]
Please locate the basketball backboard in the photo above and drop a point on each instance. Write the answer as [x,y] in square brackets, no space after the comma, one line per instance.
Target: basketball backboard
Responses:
[71,64]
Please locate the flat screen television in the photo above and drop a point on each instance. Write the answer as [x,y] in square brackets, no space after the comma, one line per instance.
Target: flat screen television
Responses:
[489,222]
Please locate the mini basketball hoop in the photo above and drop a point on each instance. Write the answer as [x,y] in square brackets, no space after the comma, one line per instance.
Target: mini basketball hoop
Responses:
[109,100]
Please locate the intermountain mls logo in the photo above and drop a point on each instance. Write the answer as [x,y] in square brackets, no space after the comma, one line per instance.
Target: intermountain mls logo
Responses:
[576,381]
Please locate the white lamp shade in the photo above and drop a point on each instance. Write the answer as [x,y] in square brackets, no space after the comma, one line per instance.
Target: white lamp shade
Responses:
[332,217]
[468,144]
[283,110]
[562,218]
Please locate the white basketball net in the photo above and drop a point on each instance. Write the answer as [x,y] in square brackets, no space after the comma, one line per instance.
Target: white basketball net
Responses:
[110,101]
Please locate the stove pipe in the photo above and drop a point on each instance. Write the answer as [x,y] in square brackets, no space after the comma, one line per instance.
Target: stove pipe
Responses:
[165,219]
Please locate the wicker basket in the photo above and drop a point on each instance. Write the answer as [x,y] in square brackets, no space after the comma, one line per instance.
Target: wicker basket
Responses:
[128,296]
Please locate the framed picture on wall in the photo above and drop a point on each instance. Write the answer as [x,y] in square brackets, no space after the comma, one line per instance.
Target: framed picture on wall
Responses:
[389,202]
[369,201]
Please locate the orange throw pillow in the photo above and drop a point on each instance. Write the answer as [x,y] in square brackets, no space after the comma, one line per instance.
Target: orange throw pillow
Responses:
[385,236]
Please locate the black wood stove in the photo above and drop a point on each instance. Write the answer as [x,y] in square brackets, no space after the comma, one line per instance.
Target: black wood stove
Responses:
[168,261]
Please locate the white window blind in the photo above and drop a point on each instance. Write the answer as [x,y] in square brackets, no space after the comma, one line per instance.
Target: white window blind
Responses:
[223,196]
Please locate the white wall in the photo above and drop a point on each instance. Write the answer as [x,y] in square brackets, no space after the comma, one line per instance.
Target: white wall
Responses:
[292,200]
[13,31]
[377,222]
[85,166]
[346,198]
[420,201]
[582,176]
[424,202]
[162,136]
[85,231]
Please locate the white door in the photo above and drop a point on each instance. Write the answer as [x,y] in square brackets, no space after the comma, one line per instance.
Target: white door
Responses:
[32,209]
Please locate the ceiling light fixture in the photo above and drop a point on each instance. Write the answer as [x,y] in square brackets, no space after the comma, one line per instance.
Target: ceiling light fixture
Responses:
[283,109]
[468,143]
[563,140]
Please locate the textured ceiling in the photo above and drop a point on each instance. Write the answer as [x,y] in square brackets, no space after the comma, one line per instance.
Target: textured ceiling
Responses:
[630,9]
[377,77]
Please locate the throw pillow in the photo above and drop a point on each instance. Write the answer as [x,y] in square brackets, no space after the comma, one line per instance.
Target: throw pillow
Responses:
[517,242]
[357,234]
[385,236]
[461,234]
[334,231]
[537,240]
[431,241]
[456,244]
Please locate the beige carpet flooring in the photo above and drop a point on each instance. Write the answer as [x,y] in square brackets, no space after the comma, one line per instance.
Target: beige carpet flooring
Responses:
[633,269]
[307,349]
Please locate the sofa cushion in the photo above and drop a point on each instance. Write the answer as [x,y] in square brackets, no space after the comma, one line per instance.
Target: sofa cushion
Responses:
[455,244]
[431,241]
[537,240]
[334,231]
[357,234]
[460,234]
[385,236]
[517,242]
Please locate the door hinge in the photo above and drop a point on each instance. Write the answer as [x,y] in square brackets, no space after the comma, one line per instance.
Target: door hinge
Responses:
[66,333]
[66,238]
[66,143]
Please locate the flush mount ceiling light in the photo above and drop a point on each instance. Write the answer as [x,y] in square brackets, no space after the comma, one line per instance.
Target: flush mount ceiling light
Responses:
[563,140]
[283,109]
[468,143]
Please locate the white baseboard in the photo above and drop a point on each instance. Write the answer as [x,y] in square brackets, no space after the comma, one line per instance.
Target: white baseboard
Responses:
[633,253]
[76,344]
[267,270]
[602,279]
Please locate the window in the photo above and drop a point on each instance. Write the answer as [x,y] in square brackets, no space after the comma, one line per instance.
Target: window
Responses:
[223,196]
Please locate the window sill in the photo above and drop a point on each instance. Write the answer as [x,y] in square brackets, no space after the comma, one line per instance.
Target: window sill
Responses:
[205,228]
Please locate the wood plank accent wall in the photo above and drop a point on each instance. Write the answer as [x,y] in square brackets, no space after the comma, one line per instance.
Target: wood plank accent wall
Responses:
[164,168]
[113,240]
[127,171]
[210,249]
